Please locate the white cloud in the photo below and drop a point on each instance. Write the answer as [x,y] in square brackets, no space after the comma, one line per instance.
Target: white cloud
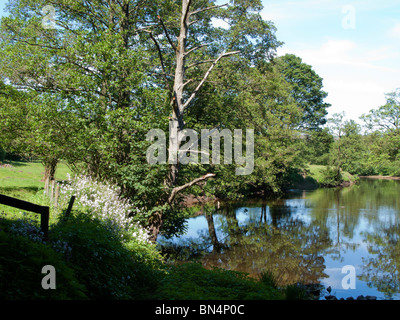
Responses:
[394,32]
[353,79]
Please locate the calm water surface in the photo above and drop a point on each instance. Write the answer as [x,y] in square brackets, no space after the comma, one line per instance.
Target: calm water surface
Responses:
[308,237]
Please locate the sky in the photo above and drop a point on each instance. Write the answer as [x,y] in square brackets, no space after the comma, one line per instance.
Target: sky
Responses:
[353,45]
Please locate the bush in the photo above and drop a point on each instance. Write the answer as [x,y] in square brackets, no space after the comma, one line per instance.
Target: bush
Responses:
[102,201]
[92,260]
[330,177]
[111,265]
[21,263]
[193,282]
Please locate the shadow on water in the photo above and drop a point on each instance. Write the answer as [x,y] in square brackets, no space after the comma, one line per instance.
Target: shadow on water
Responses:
[305,237]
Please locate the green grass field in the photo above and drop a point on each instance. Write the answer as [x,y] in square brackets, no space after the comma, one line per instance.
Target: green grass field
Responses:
[24,181]
[316,173]
[26,178]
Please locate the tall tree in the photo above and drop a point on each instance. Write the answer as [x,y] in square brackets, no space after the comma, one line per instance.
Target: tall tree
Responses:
[120,68]
[387,117]
[307,90]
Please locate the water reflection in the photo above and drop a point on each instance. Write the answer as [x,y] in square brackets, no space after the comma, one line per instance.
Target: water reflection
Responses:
[306,237]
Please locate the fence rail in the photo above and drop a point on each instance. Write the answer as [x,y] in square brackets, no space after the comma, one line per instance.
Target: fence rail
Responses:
[28,206]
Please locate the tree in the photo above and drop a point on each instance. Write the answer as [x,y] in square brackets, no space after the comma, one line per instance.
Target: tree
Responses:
[194,59]
[114,70]
[318,145]
[306,89]
[386,117]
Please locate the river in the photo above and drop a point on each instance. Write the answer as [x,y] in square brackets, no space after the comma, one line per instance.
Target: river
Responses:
[343,238]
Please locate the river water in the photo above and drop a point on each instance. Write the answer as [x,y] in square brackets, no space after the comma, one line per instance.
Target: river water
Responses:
[343,238]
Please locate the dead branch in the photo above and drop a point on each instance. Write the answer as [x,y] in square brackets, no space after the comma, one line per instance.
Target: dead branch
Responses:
[206,9]
[195,48]
[199,62]
[187,185]
[167,33]
[160,56]
[206,76]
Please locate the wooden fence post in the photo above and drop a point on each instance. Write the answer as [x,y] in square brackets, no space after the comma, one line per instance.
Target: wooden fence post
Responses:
[71,203]
[28,206]
[44,222]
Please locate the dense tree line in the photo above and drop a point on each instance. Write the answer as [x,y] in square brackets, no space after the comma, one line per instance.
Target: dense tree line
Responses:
[368,147]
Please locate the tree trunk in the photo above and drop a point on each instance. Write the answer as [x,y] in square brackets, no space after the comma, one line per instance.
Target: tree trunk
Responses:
[50,166]
[212,232]
[178,106]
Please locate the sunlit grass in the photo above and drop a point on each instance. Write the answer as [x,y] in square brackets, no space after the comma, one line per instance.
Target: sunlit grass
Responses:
[24,180]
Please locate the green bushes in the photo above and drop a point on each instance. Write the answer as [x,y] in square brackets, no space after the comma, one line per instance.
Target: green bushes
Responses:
[110,265]
[21,263]
[94,262]
[331,176]
[91,261]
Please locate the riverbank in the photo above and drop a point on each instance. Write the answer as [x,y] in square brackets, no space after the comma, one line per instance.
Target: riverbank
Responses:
[312,178]
[380,177]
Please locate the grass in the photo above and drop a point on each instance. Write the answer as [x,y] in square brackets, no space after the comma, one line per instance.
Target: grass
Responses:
[315,177]
[316,173]
[25,179]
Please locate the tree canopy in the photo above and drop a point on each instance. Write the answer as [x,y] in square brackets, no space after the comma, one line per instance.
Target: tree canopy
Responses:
[99,75]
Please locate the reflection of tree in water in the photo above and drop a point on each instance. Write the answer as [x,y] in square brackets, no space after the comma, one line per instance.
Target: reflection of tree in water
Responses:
[257,236]
[287,248]
[382,271]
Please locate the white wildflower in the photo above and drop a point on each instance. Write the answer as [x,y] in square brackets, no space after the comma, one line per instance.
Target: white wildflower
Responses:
[103,202]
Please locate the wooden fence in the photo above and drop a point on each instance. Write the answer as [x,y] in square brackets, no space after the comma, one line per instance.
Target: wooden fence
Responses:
[42,210]
[28,206]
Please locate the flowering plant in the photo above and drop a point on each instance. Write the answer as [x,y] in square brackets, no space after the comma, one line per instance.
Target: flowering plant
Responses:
[103,201]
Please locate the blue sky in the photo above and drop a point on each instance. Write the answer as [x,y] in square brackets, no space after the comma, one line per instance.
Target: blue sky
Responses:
[353,45]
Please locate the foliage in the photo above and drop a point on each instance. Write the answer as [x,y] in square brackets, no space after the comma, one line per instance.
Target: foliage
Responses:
[330,177]
[103,201]
[306,89]
[191,281]
[386,117]
[97,83]
[318,143]
[2,154]
[111,265]
[22,257]
[91,261]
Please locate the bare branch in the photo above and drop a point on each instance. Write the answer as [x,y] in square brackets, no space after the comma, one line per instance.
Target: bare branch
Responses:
[186,83]
[195,48]
[192,22]
[167,34]
[186,14]
[206,76]
[206,9]
[187,185]
[199,62]
[160,56]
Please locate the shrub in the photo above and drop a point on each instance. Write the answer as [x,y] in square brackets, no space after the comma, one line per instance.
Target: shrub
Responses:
[102,201]
[330,177]
[21,263]
[111,265]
